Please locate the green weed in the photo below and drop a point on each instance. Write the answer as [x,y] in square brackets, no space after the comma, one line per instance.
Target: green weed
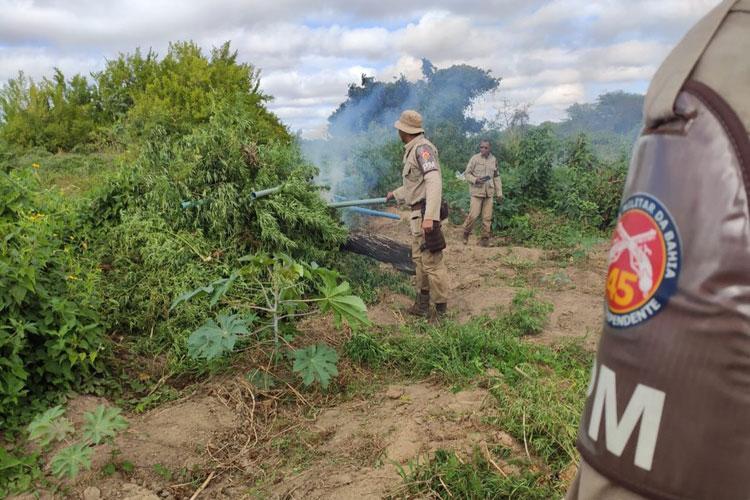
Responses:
[447,476]
[517,263]
[368,279]
[526,315]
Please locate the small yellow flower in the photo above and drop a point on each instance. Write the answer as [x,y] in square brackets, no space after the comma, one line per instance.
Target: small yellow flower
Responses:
[35,165]
[54,234]
[84,245]
[71,238]
[72,277]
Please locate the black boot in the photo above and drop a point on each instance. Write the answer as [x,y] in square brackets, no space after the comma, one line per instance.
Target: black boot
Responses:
[441,310]
[421,305]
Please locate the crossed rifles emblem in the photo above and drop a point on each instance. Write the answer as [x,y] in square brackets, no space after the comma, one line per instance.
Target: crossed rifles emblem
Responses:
[639,253]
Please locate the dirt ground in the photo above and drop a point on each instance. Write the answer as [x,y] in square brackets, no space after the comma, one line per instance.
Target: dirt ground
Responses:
[207,444]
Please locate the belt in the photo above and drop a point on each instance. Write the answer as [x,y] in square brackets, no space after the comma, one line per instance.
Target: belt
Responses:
[420,205]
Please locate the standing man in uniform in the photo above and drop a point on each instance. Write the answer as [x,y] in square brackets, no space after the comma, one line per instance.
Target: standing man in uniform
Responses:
[422,190]
[484,182]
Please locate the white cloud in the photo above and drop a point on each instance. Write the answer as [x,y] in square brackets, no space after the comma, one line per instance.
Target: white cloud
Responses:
[550,53]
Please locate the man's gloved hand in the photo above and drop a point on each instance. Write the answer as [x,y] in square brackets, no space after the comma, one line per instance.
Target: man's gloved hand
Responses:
[499,196]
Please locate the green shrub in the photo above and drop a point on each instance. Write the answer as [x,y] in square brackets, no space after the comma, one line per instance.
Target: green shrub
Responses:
[51,335]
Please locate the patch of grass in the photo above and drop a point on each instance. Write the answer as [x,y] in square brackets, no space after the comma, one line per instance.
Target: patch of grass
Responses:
[366,277]
[517,263]
[556,281]
[447,476]
[297,450]
[539,394]
[526,315]
[545,229]
[73,174]
[519,281]
[540,403]
[456,351]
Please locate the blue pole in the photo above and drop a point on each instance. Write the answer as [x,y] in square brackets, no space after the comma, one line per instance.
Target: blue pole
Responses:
[374,212]
[351,203]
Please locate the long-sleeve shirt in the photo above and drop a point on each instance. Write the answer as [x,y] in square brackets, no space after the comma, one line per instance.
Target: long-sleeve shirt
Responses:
[479,167]
[422,177]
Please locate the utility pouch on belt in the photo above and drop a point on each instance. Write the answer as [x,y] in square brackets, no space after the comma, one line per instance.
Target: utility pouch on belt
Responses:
[434,241]
[444,210]
[667,413]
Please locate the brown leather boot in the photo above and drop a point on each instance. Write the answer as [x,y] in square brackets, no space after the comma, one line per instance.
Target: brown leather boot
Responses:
[441,310]
[421,305]
[484,242]
[465,238]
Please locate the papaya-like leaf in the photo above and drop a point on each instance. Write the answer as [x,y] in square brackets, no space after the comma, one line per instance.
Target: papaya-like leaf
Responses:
[343,304]
[101,423]
[214,339]
[69,460]
[316,363]
[50,426]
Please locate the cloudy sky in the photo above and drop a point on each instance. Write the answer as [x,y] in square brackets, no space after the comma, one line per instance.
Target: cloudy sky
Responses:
[549,53]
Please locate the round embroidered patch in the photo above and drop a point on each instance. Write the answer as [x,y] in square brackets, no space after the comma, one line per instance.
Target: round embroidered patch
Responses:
[644,262]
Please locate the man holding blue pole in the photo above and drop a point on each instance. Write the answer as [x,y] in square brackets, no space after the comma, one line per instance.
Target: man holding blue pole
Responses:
[422,189]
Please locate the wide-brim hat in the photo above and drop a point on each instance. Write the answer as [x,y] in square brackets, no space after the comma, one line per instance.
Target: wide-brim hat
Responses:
[410,122]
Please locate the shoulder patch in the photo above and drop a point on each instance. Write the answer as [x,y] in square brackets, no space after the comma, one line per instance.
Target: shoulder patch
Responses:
[644,262]
[426,159]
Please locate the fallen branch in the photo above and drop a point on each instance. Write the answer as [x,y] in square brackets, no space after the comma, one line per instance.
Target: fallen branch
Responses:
[381,249]
[203,486]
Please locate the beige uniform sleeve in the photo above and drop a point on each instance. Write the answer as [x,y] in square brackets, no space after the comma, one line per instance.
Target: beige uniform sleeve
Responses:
[433,193]
[398,194]
[469,173]
[496,180]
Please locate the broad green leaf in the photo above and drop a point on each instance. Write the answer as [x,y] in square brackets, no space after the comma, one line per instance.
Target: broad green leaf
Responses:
[344,305]
[68,461]
[212,340]
[102,422]
[316,362]
[50,426]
